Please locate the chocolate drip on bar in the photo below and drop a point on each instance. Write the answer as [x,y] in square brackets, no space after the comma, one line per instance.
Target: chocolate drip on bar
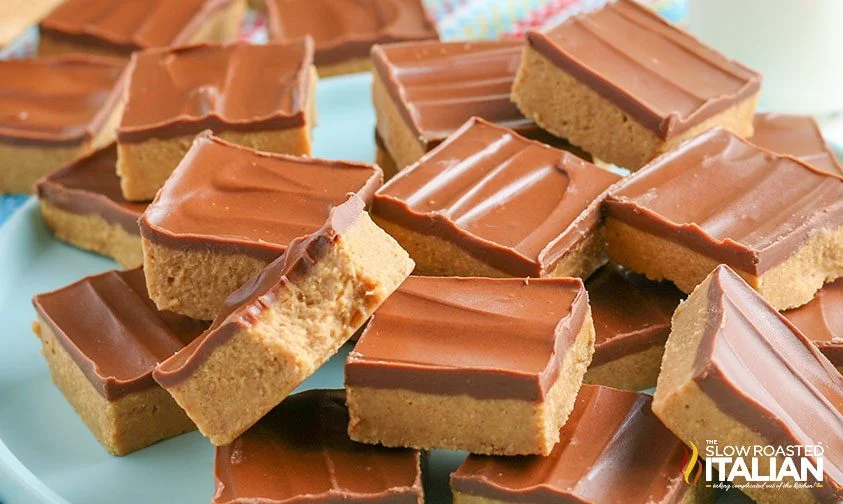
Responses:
[486,338]
[661,76]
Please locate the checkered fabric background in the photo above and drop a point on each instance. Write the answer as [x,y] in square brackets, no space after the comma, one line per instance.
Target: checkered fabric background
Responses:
[456,19]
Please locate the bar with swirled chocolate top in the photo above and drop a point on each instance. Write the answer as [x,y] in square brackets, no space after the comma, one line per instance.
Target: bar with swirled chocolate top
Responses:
[346,30]
[738,375]
[486,365]
[120,27]
[262,96]
[82,205]
[631,323]
[285,322]
[798,136]
[612,449]
[102,337]
[307,436]
[625,85]
[228,211]
[489,202]
[53,110]
[821,321]
[424,91]
[718,199]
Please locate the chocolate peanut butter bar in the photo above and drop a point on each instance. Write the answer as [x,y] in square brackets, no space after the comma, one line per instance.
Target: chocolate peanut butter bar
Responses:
[228,211]
[282,325]
[424,91]
[626,85]
[102,337]
[53,110]
[737,373]
[307,436]
[489,202]
[631,323]
[798,136]
[612,449]
[82,205]
[120,27]
[719,199]
[821,321]
[261,96]
[436,366]
[346,30]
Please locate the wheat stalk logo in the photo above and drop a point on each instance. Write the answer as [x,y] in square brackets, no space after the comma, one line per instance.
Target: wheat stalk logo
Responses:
[690,462]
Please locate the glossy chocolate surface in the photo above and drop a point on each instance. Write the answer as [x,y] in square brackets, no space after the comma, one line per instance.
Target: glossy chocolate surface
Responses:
[612,449]
[61,100]
[90,186]
[729,200]
[301,453]
[798,136]
[631,314]
[244,307]
[452,336]
[112,330]
[234,199]
[760,370]
[516,204]
[239,87]
[438,86]
[656,73]
[821,321]
[129,25]
[347,29]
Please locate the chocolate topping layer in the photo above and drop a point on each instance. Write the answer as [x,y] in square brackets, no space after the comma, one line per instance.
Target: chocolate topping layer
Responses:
[112,330]
[730,200]
[452,336]
[90,186]
[129,25]
[821,320]
[516,204]
[347,29]
[242,87]
[301,453]
[612,449]
[244,306]
[631,313]
[61,100]
[438,86]
[658,74]
[760,370]
[234,199]
[798,136]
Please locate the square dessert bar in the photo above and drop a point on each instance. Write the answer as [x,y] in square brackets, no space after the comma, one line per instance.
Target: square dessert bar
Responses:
[424,91]
[737,373]
[798,136]
[821,321]
[436,366]
[631,323]
[489,202]
[281,326]
[228,211]
[102,337]
[261,96]
[53,110]
[300,452]
[120,27]
[82,205]
[16,17]
[626,85]
[719,199]
[346,30]
[612,449]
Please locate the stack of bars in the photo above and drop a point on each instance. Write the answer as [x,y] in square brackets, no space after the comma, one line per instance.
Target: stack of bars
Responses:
[511,292]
